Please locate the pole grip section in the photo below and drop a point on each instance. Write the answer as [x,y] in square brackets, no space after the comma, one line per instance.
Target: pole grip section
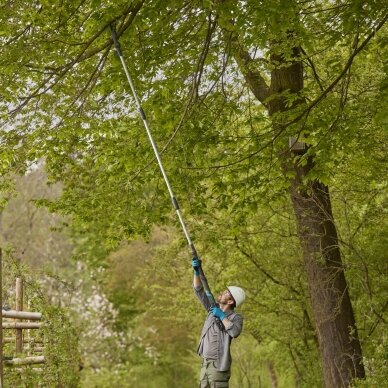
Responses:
[142,114]
[210,296]
[206,288]
[193,251]
[175,203]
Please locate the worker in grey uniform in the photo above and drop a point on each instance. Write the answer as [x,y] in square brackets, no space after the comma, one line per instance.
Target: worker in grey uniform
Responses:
[217,334]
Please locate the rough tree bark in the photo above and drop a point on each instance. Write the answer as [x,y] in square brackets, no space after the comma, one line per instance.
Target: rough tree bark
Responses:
[332,309]
[339,345]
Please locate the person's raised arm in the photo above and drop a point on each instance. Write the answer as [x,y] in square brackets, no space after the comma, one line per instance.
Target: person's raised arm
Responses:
[197,285]
[196,263]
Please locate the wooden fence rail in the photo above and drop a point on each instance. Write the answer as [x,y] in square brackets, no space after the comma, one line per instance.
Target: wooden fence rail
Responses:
[22,325]
[25,361]
[11,340]
[22,315]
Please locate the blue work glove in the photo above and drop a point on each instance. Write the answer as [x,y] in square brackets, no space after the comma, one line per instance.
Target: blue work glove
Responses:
[196,263]
[217,312]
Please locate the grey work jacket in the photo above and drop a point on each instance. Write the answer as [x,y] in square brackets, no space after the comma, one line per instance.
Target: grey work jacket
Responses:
[225,336]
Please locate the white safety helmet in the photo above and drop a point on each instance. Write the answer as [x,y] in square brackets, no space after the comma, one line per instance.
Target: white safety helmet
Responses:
[237,293]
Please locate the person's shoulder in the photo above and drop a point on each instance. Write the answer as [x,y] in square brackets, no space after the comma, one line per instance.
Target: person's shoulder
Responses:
[236,315]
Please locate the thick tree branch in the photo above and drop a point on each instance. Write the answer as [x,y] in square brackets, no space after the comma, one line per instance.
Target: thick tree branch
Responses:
[246,63]
[251,75]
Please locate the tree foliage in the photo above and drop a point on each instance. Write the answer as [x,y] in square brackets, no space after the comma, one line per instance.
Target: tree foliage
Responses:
[194,94]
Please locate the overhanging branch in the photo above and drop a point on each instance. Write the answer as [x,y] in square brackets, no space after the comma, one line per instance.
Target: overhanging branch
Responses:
[342,74]
[251,75]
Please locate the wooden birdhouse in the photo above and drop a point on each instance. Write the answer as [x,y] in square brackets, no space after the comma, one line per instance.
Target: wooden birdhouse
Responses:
[296,146]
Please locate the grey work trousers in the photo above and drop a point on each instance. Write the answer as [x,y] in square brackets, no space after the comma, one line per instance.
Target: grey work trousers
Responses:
[212,378]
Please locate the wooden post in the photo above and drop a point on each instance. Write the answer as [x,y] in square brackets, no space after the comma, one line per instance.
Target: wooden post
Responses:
[19,307]
[1,319]
[28,331]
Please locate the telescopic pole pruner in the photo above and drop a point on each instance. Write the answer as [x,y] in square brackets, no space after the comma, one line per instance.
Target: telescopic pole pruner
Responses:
[173,199]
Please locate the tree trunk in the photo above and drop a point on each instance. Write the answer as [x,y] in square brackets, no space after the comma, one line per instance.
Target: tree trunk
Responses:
[272,374]
[332,310]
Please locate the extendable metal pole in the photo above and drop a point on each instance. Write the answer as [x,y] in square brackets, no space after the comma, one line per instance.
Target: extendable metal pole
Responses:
[173,199]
